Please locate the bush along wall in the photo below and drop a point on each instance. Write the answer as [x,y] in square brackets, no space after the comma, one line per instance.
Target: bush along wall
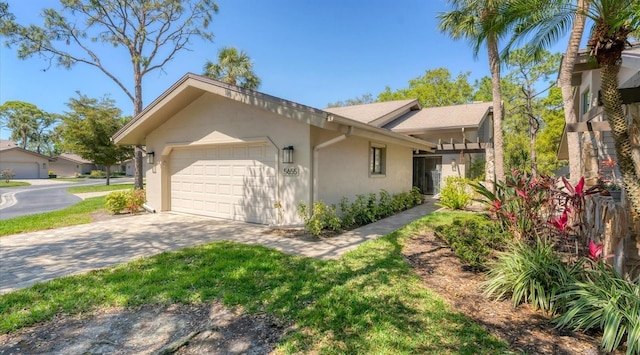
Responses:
[364,210]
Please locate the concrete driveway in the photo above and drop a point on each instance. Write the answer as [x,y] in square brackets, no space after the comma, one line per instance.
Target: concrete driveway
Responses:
[29,258]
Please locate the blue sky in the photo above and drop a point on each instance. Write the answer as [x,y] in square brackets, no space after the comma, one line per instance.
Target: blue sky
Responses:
[310,52]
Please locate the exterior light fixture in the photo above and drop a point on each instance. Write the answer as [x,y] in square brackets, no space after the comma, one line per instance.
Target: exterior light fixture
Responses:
[150,157]
[287,155]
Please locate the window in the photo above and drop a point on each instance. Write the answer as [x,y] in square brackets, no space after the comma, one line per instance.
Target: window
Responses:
[377,160]
[586,102]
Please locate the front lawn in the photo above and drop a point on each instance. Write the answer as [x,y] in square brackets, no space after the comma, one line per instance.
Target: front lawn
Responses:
[13,183]
[76,214]
[98,188]
[369,301]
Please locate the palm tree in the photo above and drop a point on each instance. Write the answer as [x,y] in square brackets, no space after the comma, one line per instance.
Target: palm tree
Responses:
[475,21]
[613,23]
[234,68]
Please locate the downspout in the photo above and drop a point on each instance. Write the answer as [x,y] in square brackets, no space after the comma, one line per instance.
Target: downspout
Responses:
[316,149]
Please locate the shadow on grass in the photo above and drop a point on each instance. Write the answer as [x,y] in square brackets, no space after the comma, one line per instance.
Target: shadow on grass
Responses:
[370,301]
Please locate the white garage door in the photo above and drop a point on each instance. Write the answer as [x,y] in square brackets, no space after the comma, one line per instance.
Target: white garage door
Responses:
[231,181]
[22,170]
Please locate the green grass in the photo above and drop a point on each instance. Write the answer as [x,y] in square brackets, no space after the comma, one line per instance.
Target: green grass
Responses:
[71,179]
[13,183]
[76,214]
[370,301]
[98,188]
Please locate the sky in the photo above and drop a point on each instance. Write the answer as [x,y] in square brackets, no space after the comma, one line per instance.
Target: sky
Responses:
[309,52]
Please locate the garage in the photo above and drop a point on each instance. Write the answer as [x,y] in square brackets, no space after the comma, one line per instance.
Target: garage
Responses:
[23,170]
[235,182]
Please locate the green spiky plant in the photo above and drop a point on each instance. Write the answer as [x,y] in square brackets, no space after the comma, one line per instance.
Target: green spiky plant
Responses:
[604,300]
[530,274]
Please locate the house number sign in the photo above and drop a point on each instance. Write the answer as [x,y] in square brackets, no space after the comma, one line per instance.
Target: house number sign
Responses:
[290,171]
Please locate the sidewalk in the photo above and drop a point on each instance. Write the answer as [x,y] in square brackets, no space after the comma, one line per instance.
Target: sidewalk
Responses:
[29,258]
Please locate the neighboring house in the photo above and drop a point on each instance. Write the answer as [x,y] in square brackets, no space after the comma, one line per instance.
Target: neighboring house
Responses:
[24,163]
[128,166]
[223,151]
[71,165]
[462,134]
[597,149]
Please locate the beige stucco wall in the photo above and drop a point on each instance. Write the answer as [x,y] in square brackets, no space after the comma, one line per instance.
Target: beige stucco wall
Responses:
[212,119]
[20,162]
[343,168]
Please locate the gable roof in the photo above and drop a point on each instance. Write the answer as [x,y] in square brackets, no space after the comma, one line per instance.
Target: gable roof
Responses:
[191,86]
[377,113]
[445,117]
[6,145]
[73,158]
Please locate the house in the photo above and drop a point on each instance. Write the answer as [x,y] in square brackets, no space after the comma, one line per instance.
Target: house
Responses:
[596,141]
[24,163]
[219,150]
[462,132]
[128,166]
[71,165]
[609,222]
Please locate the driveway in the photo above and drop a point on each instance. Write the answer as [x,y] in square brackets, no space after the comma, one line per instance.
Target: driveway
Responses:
[44,195]
[29,258]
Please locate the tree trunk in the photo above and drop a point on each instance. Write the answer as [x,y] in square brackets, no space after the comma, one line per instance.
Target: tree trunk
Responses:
[494,65]
[108,169]
[612,102]
[564,81]
[137,108]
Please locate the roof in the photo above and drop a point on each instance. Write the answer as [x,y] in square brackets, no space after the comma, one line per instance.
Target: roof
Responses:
[74,158]
[369,113]
[6,145]
[445,117]
[191,86]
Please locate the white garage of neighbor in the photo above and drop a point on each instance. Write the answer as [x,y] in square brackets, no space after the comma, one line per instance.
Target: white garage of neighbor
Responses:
[24,163]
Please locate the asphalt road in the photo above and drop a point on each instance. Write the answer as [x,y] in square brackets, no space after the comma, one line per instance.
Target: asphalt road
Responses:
[27,200]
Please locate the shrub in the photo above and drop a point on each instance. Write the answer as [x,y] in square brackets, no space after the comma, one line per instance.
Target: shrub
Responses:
[116,201]
[129,200]
[362,213]
[530,274]
[455,193]
[135,200]
[402,201]
[474,240]
[8,174]
[606,301]
[385,205]
[97,174]
[322,217]
[416,196]
[346,211]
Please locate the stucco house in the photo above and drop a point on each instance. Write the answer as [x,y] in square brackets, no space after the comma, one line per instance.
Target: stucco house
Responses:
[597,149]
[24,163]
[462,133]
[219,150]
[71,165]
[128,166]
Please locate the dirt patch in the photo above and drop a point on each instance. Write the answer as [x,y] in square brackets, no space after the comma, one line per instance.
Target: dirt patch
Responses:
[182,329]
[525,329]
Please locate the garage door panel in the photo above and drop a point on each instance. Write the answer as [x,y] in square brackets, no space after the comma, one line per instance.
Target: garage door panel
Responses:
[227,182]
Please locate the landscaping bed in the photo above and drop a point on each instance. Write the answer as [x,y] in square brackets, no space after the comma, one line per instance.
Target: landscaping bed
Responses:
[525,329]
